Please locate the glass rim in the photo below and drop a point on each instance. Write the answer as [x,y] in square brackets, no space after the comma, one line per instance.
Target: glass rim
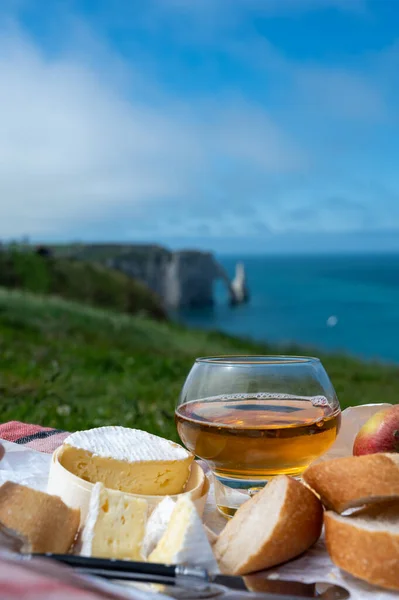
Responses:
[250,360]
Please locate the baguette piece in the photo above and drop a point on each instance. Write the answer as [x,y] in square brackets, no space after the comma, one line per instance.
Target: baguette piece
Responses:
[211,535]
[43,520]
[280,522]
[354,481]
[366,543]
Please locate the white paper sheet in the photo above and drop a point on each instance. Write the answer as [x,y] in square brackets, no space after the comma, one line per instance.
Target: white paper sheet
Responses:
[24,465]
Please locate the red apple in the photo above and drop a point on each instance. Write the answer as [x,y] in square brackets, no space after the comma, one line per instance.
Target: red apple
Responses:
[379,434]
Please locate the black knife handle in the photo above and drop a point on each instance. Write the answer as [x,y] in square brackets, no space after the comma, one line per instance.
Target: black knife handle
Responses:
[133,570]
[109,564]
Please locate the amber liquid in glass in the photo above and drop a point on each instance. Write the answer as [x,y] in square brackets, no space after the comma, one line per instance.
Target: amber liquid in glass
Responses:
[255,439]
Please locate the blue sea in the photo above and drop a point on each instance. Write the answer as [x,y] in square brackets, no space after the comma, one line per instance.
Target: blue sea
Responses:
[337,303]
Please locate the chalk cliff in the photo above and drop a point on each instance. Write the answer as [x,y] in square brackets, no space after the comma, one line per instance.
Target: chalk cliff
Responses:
[181,279]
[190,278]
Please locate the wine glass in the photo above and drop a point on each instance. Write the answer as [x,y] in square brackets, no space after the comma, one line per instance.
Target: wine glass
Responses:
[254,417]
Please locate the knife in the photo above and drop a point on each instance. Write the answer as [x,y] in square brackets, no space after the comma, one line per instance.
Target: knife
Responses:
[198,579]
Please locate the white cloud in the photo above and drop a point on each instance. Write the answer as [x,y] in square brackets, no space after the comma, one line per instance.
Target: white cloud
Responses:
[73,148]
[311,88]
[341,205]
[88,140]
[268,7]
[341,93]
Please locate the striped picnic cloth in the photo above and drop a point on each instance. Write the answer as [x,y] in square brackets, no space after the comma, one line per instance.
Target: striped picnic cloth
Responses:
[41,579]
[43,439]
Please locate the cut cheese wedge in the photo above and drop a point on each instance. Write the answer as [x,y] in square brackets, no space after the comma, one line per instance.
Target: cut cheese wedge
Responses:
[157,524]
[129,460]
[115,525]
[185,540]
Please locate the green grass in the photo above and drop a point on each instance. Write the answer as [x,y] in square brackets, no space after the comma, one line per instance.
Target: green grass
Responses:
[72,366]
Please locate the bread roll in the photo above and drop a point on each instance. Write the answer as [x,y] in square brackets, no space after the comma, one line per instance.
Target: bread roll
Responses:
[280,522]
[354,481]
[366,543]
[43,520]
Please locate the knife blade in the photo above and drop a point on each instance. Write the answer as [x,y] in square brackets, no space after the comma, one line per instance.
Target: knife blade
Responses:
[198,579]
[260,582]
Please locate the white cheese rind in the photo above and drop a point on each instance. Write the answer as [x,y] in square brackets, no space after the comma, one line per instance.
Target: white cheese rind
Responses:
[91,519]
[122,443]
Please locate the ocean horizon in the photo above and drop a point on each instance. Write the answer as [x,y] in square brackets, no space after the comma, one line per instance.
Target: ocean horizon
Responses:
[340,303]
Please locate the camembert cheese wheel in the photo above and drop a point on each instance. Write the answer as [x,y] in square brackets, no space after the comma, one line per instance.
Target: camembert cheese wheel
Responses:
[128,460]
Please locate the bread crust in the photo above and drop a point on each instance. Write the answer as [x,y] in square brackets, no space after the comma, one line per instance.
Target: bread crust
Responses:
[45,521]
[371,555]
[353,481]
[240,549]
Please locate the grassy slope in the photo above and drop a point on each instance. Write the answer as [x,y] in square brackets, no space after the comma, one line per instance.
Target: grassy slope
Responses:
[86,282]
[72,366]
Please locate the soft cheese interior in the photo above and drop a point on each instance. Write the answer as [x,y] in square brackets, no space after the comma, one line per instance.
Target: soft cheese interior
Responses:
[185,540]
[115,525]
[121,462]
[129,460]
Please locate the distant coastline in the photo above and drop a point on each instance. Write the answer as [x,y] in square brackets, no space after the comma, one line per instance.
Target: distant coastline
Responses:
[180,278]
[293,297]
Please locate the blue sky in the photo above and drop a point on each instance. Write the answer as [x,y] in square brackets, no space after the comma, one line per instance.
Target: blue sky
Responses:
[232,125]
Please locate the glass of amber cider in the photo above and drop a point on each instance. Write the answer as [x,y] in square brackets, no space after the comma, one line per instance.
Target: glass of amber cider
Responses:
[254,417]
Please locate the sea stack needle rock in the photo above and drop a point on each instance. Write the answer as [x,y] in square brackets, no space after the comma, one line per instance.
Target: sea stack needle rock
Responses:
[379,434]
